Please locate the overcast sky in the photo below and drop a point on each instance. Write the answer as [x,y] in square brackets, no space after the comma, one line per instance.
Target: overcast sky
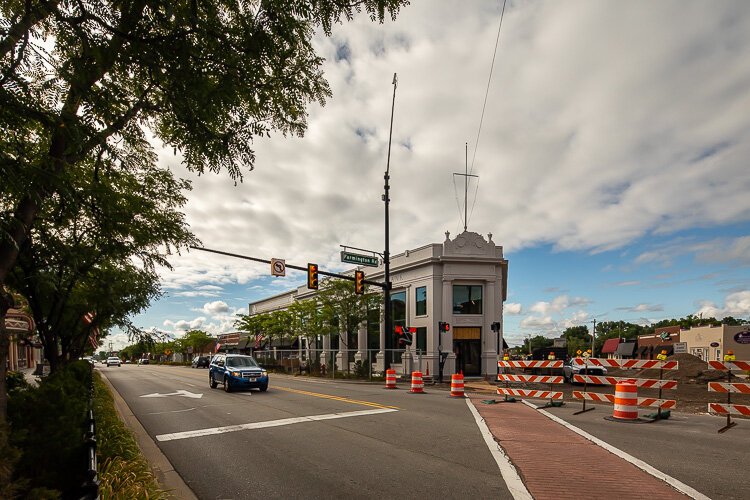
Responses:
[612,162]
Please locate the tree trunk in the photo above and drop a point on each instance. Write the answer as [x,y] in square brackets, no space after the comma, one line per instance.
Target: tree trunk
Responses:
[6,302]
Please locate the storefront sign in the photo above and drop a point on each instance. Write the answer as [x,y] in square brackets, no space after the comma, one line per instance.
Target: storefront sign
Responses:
[714,344]
[742,337]
[680,347]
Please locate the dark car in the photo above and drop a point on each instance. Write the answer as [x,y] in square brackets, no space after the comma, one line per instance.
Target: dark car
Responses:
[236,371]
[200,362]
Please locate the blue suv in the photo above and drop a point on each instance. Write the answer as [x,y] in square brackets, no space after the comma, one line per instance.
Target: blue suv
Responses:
[236,371]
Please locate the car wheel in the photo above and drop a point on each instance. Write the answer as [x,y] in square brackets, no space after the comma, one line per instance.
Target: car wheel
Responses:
[212,382]
[263,388]
[227,385]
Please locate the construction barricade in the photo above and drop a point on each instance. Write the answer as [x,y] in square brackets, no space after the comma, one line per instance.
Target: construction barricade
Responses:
[627,386]
[729,387]
[390,379]
[457,385]
[553,396]
[417,384]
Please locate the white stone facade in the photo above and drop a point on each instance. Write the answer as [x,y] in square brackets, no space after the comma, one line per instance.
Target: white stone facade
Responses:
[468,264]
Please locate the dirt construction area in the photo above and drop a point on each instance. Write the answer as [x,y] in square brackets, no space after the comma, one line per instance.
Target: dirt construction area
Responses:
[691,394]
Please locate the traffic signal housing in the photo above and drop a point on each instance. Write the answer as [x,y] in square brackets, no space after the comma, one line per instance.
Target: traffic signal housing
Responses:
[312,276]
[444,327]
[404,335]
[359,282]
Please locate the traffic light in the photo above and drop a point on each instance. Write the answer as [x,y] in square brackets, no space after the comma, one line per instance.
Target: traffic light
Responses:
[404,335]
[444,327]
[312,276]
[359,282]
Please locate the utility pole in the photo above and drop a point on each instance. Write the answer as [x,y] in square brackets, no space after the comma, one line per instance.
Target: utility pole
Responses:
[593,335]
[386,253]
[466,176]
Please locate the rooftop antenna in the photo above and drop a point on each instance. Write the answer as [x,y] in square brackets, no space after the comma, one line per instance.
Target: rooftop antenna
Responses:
[466,176]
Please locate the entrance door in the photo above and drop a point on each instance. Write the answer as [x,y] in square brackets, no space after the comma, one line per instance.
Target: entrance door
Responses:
[468,350]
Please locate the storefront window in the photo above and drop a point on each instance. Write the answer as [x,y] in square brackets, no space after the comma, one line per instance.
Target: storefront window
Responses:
[467,299]
[398,310]
[421,301]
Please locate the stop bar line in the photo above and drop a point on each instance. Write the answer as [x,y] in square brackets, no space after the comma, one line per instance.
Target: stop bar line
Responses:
[268,423]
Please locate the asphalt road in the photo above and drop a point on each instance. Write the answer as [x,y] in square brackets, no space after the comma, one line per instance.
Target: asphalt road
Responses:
[362,442]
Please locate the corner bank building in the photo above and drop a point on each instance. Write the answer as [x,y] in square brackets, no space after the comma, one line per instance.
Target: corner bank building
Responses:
[462,281]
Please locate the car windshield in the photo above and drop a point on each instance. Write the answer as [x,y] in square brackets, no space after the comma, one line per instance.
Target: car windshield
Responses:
[242,361]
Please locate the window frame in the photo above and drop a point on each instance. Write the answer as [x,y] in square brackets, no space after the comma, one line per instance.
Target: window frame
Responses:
[417,302]
[470,287]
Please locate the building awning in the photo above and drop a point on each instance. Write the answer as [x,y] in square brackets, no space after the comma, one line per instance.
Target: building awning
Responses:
[626,349]
[610,346]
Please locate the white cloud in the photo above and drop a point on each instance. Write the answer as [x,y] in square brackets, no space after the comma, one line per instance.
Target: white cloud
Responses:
[643,308]
[512,308]
[215,308]
[558,304]
[735,304]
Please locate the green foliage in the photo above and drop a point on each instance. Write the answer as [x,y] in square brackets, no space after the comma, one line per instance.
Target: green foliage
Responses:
[8,458]
[15,380]
[197,339]
[123,471]
[48,427]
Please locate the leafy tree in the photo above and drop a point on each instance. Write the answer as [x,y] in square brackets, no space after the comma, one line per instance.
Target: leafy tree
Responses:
[197,339]
[87,82]
[97,251]
[342,310]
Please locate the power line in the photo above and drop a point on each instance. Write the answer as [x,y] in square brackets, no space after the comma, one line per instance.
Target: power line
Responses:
[486,93]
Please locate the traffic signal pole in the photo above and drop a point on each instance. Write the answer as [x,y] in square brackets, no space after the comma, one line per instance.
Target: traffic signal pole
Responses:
[386,253]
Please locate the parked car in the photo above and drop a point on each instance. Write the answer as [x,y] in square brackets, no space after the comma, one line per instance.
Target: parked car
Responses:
[112,361]
[236,371]
[143,361]
[200,362]
[570,369]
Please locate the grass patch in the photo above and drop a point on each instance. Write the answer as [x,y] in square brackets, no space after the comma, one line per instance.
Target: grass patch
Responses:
[123,471]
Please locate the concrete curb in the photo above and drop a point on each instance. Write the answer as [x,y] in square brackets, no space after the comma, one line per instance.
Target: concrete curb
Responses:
[167,477]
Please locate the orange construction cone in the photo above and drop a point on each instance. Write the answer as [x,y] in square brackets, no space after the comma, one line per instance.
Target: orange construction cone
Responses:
[417,384]
[428,369]
[390,379]
[457,385]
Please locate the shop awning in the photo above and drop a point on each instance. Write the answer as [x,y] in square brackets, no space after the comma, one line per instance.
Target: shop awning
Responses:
[626,349]
[610,346]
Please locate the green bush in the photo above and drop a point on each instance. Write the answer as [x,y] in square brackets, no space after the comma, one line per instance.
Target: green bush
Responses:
[15,380]
[123,472]
[48,428]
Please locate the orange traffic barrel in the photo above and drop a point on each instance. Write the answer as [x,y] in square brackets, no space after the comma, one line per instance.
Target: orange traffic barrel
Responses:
[417,384]
[626,401]
[457,385]
[390,379]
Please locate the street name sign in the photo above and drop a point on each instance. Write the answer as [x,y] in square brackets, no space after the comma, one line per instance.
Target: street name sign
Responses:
[359,259]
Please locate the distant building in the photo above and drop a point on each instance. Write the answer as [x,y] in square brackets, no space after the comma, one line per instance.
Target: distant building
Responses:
[712,342]
[663,339]
[462,281]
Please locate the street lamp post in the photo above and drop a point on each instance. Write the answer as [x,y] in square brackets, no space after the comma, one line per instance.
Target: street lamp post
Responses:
[386,253]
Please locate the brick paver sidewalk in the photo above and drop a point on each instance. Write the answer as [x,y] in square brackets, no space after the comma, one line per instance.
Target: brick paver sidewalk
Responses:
[556,463]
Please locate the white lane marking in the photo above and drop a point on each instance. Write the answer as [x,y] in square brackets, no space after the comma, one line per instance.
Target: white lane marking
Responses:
[267,423]
[181,392]
[674,483]
[507,469]
[172,411]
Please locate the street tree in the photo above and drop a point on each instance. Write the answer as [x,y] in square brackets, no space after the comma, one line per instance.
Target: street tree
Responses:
[90,81]
[342,310]
[198,340]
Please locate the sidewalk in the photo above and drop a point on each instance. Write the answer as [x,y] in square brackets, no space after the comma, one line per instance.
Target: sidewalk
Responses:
[556,463]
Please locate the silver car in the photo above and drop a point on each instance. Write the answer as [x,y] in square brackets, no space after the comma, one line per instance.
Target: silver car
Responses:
[570,369]
[112,361]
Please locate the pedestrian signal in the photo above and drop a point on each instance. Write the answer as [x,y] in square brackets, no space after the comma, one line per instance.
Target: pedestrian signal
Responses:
[312,276]
[359,282]
[444,327]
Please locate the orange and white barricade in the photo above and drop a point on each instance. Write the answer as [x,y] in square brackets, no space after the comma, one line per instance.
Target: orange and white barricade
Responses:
[390,379]
[627,386]
[457,385]
[417,384]
[729,388]
[550,394]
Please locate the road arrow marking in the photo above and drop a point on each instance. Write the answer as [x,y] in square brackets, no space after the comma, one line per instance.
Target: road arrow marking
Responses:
[181,392]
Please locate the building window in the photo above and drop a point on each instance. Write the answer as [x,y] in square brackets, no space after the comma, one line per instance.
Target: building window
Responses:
[398,312]
[421,301]
[421,339]
[467,299]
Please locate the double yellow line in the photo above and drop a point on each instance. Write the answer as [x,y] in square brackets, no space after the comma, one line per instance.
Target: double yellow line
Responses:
[336,398]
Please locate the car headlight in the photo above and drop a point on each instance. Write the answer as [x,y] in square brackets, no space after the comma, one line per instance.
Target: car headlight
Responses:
[263,373]
[235,374]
